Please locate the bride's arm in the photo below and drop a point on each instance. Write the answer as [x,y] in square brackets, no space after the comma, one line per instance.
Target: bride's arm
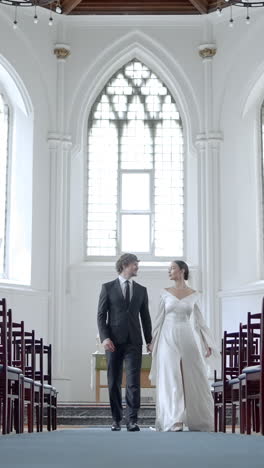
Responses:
[206,337]
[158,322]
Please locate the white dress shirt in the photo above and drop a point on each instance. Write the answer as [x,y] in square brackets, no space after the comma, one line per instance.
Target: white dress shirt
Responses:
[122,281]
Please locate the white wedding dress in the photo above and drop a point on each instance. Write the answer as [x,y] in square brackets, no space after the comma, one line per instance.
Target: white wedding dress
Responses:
[181,339]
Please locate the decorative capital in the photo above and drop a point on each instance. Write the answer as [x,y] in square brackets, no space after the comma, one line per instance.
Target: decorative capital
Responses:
[56,140]
[62,51]
[200,141]
[207,51]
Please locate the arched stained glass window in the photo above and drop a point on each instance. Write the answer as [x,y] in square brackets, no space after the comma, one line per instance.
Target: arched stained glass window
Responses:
[135,197]
[4,130]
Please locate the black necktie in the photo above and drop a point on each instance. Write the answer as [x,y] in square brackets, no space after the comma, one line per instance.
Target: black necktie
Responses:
[127,294]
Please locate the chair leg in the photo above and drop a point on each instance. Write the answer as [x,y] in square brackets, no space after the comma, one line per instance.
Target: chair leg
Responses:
[233,418]
[253,407]
[54,413]
[21,403]
[37,407]
[248,416]
[220,418]
[10,417]
[4,415]
[261,411]
[37,418]
[224,417]
[41,411]
[242,418]
[49,413]
[215,414]
[257,416]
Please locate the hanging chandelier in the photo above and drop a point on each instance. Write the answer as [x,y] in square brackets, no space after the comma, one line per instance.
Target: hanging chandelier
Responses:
[242,3]
[54,6]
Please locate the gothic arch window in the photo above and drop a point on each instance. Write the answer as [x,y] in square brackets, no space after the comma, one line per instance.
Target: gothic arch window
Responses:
[135,199]
[4,164]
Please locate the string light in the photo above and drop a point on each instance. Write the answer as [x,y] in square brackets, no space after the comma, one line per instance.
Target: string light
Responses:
[35,16]
[54,5]
[15,20]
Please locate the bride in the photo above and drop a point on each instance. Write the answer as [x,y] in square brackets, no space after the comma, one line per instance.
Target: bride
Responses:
[180,342]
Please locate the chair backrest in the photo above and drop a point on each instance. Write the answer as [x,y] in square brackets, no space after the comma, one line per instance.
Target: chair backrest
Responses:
[253,338]
[3,334]
[39,370]
[48,364]
[18,345]
[243,351]
[230,355]
[262,342]
[30,354]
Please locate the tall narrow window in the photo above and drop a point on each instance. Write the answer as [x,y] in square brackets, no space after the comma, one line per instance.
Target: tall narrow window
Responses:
[262,169]
[135,168]
[4,129]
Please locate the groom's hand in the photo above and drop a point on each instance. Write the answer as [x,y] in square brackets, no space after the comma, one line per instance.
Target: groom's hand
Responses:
[109,345]
[150,347]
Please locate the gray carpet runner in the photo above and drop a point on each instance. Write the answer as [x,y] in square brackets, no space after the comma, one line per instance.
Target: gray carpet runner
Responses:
[101,448]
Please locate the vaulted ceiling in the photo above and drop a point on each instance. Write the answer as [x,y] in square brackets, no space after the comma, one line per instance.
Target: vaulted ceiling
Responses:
[140,7]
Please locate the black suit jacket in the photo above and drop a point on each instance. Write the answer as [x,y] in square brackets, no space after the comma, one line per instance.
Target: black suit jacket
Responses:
[116,322]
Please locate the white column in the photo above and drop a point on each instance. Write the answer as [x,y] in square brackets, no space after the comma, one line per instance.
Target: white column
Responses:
[60,156]
[208,145]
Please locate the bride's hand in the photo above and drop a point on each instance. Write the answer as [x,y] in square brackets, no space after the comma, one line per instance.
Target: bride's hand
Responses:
[150,347]
[208,353]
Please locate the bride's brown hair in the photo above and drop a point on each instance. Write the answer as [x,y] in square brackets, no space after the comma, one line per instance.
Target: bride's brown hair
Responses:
[183,266]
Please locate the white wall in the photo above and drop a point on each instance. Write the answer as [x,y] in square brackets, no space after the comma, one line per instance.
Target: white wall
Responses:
[61,300]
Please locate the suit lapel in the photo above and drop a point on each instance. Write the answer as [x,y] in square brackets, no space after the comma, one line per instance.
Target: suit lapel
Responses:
[135,290]
[119,291]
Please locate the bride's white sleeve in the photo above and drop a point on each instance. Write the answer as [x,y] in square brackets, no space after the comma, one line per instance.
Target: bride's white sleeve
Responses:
[206,339]
[158,322]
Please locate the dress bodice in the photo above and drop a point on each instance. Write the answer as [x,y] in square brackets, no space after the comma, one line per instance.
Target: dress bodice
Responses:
[178,310]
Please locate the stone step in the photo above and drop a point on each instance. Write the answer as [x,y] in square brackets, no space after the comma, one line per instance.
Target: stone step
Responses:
[83,415]
[95,415]
[66,410]
[95,421]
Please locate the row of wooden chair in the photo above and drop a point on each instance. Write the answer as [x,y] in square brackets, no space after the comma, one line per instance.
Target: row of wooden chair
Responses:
[241,386]
[26,390]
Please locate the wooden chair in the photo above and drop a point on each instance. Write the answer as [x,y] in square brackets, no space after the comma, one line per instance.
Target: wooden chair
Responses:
[30,371]
[236,383]
[252,378]
[24,356]
[10,376]
[50,392]
[229,371]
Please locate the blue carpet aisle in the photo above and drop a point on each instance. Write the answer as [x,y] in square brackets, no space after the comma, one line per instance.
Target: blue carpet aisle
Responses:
[102,448]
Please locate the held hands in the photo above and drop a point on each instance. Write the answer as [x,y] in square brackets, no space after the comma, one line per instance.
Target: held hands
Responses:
[150,347]
[108,345]
[208,352]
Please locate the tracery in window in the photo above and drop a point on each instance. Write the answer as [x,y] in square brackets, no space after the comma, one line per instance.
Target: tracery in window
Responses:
[135,168]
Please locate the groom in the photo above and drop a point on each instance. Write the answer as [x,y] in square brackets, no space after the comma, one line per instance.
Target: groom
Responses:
[121,303]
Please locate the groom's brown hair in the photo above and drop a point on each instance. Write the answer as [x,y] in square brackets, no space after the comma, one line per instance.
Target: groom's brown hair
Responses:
[124,261]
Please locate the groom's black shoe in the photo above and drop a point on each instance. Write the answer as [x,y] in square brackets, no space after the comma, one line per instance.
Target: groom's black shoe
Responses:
[132,427]
[115,426]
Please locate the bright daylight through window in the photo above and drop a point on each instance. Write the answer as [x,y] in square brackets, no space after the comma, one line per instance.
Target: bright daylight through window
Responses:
[135,168]
[4,123]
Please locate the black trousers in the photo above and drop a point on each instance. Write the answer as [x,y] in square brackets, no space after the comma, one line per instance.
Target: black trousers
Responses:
[131,355]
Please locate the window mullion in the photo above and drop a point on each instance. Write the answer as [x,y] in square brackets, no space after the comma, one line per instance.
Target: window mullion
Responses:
[120,129]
